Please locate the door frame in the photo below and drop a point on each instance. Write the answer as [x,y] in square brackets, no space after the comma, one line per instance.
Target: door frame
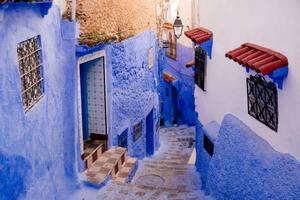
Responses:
[82,60]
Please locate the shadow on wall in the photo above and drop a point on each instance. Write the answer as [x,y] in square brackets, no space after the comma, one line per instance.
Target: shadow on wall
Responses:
[244,166]
[14,173]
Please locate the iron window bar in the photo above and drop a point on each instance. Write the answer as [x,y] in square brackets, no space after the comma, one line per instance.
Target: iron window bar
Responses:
[200,67]
[262,97]
[31,71]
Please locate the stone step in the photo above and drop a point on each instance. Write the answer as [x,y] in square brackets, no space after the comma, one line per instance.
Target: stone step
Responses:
[112,164]
[92,152]
[127,171]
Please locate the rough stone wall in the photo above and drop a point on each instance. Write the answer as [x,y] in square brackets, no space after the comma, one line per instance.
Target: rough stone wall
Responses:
[125,17]
[245,166]
[36,148]
[134,91]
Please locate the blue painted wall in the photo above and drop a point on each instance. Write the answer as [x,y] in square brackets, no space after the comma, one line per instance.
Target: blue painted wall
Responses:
[37,148]
[184,85]
[134,89]
[245,166]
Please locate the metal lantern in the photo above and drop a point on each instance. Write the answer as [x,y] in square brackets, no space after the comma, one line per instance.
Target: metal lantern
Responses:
[178,27]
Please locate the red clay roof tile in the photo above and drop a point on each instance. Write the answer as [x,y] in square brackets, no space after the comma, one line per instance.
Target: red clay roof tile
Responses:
[169,77]
[199,35]
[261,59]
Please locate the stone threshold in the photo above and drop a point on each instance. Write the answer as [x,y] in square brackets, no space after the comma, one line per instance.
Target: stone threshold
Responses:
[112,164]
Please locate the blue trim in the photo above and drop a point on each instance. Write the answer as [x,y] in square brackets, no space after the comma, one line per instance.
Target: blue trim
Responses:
[82,50]
[84,104]
[43,6]
[207,46]
[277,76]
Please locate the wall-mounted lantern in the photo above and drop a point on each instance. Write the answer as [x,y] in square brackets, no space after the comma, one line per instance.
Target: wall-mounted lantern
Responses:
[178,26]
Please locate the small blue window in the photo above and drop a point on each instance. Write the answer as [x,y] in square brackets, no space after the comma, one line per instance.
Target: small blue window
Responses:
[137,131]
[122,139]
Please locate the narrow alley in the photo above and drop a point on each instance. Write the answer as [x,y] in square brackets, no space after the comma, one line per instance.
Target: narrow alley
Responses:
[166,175]
[149,100]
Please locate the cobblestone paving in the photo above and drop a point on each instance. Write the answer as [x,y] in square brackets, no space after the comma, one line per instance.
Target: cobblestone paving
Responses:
[164,176]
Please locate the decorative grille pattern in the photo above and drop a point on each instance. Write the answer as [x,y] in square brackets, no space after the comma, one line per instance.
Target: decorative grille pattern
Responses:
[200,64]
[31,71]
[262,101]
[137,132]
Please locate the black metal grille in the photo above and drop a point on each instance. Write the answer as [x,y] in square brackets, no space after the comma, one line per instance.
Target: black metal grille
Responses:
[31,71]
[262,101]
[208,145]
[137,132]
[122,139]
[200,65]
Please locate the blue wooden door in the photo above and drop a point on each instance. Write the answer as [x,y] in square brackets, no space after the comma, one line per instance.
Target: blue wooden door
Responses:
[150,134]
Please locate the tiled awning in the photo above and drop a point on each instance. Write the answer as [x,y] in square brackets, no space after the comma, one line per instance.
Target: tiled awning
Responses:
[168,26]
[255,57]
[190,63]
[169,77]
[199,35]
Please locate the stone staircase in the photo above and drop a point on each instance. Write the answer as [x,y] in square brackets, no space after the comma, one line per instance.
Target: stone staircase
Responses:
[112,164]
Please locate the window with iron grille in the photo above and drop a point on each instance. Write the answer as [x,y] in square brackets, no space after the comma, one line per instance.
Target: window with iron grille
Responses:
[31,71]
[262,101]
[208,145]
[122,139]
[137,131]
[200,65]
[171,50]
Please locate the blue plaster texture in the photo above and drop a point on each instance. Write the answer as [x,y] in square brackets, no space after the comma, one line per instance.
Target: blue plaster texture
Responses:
[211,130]
[37,148]
[134,89]
[184,85]
[245,166]
[198,142]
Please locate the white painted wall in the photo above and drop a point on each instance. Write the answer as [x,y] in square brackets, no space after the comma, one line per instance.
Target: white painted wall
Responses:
[185,12]
[270,23]
[61,4]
